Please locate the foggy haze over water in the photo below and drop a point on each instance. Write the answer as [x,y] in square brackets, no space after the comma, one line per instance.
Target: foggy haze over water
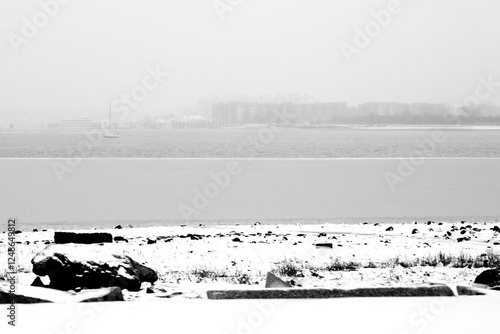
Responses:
[90,53]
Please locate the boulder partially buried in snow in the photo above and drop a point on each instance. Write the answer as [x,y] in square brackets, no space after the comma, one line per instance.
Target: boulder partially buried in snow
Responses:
[489,278]
[85,266]
[82,238]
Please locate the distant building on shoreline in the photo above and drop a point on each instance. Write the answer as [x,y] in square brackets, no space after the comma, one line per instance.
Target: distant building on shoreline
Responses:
[240,112]
[78,123]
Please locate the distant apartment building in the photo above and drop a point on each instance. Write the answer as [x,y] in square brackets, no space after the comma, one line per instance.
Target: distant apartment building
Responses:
[205,107]
[317,112]
[78,123]
[428,109]
[384,109]
[339,112]
[262,113]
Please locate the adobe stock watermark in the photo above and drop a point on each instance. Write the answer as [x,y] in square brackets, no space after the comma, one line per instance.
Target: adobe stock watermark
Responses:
[422,319]
[364,36]
[31,26]
[86,313]
[153,78]
[407,166]
[222,7]
[11,273]
[93,139]
[221,179]
[264,309]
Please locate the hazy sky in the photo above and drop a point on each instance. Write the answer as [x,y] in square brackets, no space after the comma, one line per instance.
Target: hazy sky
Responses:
[90,52]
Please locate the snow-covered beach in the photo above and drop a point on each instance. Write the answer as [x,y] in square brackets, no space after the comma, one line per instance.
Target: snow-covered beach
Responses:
[190,259]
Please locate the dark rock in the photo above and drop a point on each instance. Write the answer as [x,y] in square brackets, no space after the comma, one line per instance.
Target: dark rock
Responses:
[35,230]
[324,245]
[322,234]
[415,231]
[390,228]
[89,267]
[194,236]
[37,282]
[488,278]
[18,232]
[151,241]
[118,227]
[495,228]
[82,238]
[120,238]
[237,240]
[463,239]
[376,224]
[272,281]
[99,295]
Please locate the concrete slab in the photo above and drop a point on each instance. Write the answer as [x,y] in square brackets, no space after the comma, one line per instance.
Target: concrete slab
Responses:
[294,293]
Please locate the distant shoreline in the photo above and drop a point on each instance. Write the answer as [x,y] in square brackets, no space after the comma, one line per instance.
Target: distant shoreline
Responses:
[209,223]
[289,127]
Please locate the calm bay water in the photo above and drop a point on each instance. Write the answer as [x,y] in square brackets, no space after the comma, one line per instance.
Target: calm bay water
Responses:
[259,143]
[104,193]
[149,192]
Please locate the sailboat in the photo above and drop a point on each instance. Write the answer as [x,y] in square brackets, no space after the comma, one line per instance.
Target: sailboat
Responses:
[111,134]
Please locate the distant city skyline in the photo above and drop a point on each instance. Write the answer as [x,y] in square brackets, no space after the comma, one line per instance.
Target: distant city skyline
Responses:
[89,54]
[53,115]
[291,104]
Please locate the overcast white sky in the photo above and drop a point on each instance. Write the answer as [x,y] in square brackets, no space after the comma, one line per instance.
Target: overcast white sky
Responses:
[92,51]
